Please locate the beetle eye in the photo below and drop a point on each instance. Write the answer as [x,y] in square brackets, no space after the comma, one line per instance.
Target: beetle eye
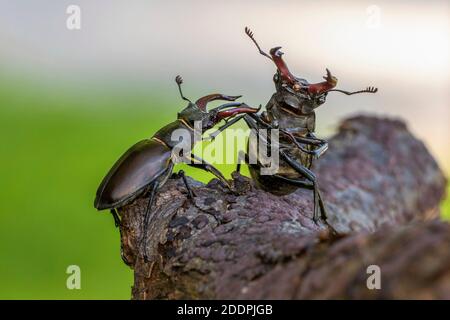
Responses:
[296,87]
[275,77]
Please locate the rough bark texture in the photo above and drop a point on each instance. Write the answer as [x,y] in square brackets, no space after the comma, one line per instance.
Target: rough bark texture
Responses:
[381,187]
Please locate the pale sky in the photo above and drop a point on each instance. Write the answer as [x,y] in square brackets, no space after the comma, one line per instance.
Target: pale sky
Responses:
[401,47]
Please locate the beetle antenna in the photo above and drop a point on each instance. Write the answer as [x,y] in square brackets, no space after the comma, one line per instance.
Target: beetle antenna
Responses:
[179,81]
[368,90]
[250,35]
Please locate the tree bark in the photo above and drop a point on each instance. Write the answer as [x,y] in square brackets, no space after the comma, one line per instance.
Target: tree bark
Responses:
[382,189]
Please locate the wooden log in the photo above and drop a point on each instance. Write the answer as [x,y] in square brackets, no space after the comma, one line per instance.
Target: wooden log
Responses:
[380,185]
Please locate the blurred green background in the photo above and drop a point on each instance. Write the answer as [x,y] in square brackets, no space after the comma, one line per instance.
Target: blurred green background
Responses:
[71,102]
[54,155]
[52,162]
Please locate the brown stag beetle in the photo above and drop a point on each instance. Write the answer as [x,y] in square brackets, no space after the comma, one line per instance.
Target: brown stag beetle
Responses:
[146,166]
[291,111]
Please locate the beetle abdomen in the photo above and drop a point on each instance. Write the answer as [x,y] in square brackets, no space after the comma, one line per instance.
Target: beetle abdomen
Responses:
[138,167]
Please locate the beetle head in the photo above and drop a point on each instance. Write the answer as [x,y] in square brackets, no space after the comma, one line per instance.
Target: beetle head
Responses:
[191,113]
[197,111]
[286,82]
[225,111]
[294,87]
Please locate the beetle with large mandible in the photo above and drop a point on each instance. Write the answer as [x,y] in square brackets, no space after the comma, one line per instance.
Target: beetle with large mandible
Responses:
[146,166]
[291,111]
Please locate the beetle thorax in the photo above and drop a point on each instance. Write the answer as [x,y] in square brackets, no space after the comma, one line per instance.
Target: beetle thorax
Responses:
[291,113]
[193,115]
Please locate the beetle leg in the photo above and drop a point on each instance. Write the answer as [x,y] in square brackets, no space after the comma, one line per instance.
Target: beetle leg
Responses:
[213,135]
[320,145]
[308,174]
[116,217]
[242,156]
[253,121]
[323,215]
[296,182]
[299,168]
[313,186]
[198,162]
[317,153]
[311,140]
[227,105]
[323,142]
[154,187]
[189,190]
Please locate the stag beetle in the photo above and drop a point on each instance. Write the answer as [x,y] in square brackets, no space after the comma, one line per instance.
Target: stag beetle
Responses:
[147,165]
[291,111]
